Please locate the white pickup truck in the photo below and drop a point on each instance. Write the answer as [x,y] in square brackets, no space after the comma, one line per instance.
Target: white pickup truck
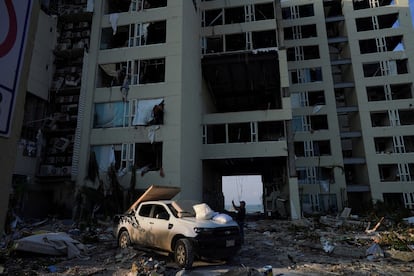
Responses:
[157,222]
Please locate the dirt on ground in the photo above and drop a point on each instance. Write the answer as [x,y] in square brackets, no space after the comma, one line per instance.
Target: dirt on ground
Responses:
[321,245]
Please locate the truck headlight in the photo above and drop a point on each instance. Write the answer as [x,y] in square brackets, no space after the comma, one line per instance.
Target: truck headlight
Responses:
[204,231]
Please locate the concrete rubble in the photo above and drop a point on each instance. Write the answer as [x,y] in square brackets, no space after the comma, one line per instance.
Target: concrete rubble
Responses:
[324,245]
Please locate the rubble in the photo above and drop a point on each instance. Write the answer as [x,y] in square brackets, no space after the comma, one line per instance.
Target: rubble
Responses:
[324,245]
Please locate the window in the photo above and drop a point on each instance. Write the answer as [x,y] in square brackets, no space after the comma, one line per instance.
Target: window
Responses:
[235,42]
[134,35]
[303,53]
[159,212]
[264,39]
[216,134]
[132,113]
[213,17]
[239,133]
[145,210]
[377,22]
[264,11]
[385,68]
[306,75]
[301,11]
[299,32]
[151,70]
[270,131]
[139,72]
[109,115]
[139,5]
[234,15]
[148,157]
[380,44]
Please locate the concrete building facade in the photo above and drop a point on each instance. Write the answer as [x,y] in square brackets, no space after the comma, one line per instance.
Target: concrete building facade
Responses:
[314,96]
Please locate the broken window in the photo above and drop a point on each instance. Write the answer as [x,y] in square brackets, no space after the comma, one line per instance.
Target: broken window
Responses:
[111,74]
[212,17]
[307,175]
[109,40]
[109,115]
[335,29]
[213,44]
[332,8]
[151,70]
[105,157]
[148,112]
[379,119]
[300,123]
[270,131]
[239,133]
[215,134]
[139,5]
[264,11]
[35,110]
[300,31]
[377,22]
[306,75]
[235,42]
[383,145]
[406,117]
[116,6]
[264,39]
[389,92]
[148,157]
[376,93]
[139,71]
[307,98]
[146,33]
[303,53]
[385,68]
[392,172]
[234,15]
[319,122]
[367,4]
[408,143]
[312,148]
[380,44]
[294,12]
[145,156]
[133,113]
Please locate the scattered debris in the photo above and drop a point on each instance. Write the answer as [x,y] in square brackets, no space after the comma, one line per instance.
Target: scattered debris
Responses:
[325,245]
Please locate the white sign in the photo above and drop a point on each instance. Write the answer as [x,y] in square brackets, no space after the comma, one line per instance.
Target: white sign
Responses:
[14,20]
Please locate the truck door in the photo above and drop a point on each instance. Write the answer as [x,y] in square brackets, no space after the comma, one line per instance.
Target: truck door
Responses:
[161,227]
[142,234]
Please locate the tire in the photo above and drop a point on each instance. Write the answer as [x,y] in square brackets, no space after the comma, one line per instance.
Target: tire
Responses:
[124,240]
[183,253]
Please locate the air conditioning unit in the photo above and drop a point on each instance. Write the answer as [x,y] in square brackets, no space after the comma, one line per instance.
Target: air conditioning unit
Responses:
[66,170]
[49,170]
[61,144]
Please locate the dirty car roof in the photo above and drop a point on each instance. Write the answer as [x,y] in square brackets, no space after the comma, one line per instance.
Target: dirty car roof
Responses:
[155,192]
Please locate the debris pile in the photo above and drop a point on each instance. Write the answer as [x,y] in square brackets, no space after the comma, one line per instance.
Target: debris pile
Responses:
[319,245]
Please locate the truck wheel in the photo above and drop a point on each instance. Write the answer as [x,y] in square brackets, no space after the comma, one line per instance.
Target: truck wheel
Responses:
[124,241]
[183,253]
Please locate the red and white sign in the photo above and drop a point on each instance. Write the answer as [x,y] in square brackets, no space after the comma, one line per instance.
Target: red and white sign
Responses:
[14,21]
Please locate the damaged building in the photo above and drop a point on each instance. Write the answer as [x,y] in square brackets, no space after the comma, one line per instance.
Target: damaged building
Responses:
[315,97]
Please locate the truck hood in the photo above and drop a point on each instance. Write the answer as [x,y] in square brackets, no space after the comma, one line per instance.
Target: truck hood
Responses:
[155,192]
[208,223]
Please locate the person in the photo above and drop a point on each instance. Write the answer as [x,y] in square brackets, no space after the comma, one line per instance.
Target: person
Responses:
[240,217]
